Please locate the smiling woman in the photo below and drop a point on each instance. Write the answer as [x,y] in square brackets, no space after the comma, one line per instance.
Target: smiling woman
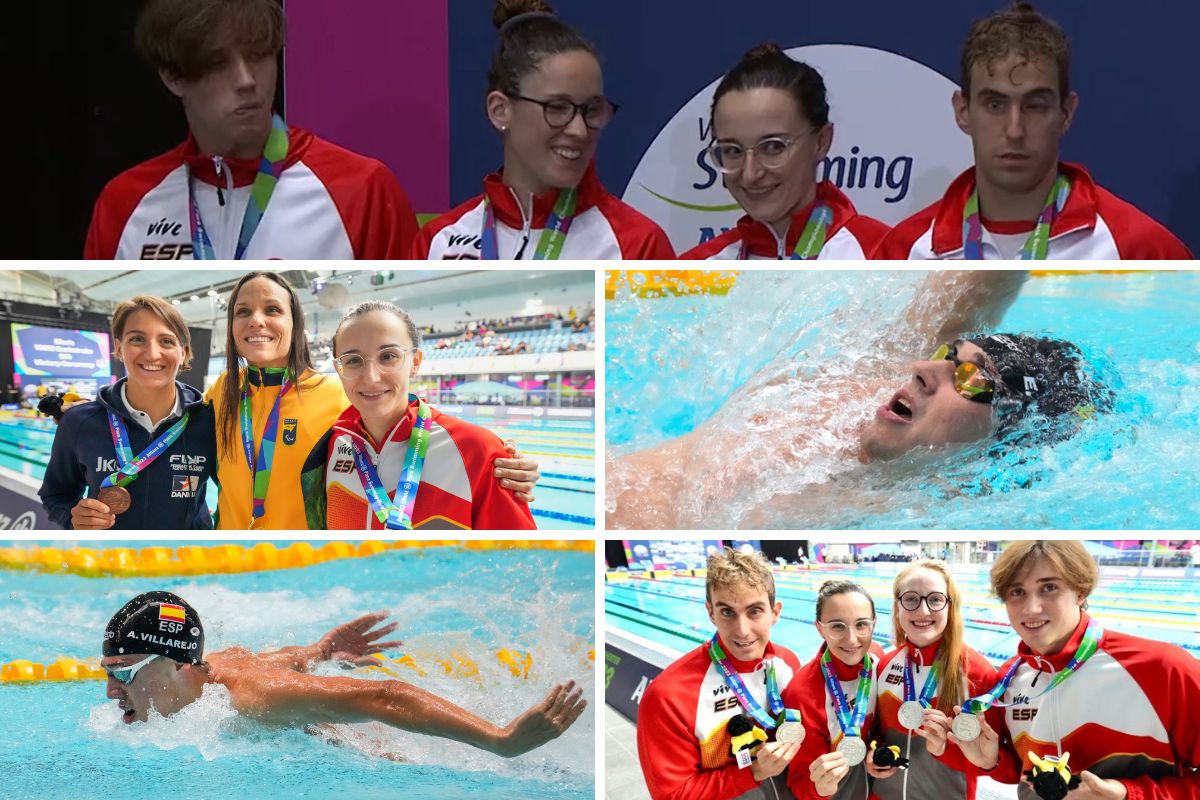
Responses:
[154,420]
[546,100]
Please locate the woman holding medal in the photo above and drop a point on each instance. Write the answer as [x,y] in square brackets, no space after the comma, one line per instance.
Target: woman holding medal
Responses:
[931,669]
[836,696]
[771,128]
[144,448]
[546,100]
[1117,711]
[439,467]
[268,420]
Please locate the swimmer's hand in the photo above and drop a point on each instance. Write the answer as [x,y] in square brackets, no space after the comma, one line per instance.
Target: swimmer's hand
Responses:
[92,515]
[517,473]
[356,642]
[547,720]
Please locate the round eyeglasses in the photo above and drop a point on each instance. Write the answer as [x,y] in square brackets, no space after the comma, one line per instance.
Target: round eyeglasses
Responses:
[559,112]
[911,601]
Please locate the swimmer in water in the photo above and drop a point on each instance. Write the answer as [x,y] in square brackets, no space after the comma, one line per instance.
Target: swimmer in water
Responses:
[154,657]
[968,390]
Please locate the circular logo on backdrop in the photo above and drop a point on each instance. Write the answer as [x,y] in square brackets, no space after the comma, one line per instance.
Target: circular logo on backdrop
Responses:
[895,149]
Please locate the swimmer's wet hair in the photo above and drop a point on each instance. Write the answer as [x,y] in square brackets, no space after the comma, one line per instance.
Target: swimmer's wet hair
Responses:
[370,306]
[529,33]
[1044,375]
[731,568]
[835,587]
[768,67]
[1070,560]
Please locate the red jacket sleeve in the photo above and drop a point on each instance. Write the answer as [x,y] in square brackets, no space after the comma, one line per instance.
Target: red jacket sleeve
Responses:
[670,755]
[1176,681]
[492,506]
[388,227]
[807,693]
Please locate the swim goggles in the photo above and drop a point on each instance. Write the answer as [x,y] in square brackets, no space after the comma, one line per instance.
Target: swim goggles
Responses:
[125,675]
[970,379]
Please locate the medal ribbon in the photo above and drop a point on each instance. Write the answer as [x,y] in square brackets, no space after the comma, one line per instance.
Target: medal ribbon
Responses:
[396,514]
[260,469]
[554,236]
[131,465]
[851,723]
[910,685]
[733,680]
[1038,243]
[812,238]
[1089,645]
[269,168]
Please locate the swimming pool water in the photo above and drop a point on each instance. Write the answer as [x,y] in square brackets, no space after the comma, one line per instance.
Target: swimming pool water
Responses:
[670,612]
[673,362]
[66,740]
[564,499]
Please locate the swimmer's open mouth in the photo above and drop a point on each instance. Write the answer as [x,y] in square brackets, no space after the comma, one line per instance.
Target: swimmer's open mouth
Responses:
[900,407]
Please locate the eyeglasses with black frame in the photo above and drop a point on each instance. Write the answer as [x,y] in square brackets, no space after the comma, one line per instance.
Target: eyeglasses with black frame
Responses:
[911,601]
[559,112]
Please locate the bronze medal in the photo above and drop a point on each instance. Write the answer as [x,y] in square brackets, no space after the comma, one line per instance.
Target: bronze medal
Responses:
[116,498]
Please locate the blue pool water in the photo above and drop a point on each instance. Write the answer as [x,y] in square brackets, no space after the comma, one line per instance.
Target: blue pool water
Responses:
[760,359]
[565,497]
[670,612]
[66,739]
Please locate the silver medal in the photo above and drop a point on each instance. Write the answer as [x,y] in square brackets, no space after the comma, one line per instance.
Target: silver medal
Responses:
[966,727]
[911,715]
[854,749]
[790,733]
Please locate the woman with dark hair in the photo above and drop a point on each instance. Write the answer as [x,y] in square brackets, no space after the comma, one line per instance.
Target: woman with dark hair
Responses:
[546,99]
[391,461]
[276,410]
[770,124]
[836,694]
[143,449]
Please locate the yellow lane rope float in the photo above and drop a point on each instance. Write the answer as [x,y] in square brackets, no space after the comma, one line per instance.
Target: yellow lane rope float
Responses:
[675,282]
[221,559]
[455,664]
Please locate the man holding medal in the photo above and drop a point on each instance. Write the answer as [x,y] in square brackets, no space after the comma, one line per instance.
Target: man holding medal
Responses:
[1119,709]
[208,198]
[1019,201]
[713,724]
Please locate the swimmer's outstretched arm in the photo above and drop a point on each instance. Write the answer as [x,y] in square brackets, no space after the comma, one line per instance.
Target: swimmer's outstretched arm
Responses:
[293,698]
[354,642]
[952,303]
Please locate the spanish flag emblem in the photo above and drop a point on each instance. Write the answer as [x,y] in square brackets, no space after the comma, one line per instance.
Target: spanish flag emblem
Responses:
[171,613]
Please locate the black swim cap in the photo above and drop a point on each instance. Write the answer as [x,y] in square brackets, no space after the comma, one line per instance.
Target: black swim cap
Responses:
[1037,369]
[158,623]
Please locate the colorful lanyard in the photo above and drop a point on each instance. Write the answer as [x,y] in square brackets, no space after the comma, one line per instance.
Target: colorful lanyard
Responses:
[910,685]
[269,168]
[1038,243]
[1089,645]
[812,238]
[131,465]
[261,469]
[851,723]
[397,514]
[728,672]
[554,236]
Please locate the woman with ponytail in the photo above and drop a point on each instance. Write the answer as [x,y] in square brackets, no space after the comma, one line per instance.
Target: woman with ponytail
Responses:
[931,671]
[770,124]
[546,101]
